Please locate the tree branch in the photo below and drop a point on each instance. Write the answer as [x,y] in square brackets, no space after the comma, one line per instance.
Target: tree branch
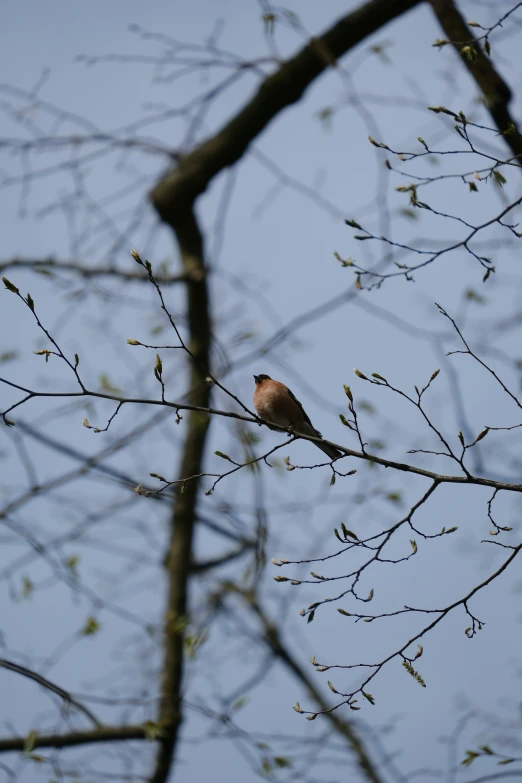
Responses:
[183,184]
[495,90]
[273,640]
[50,265]
[50,686]
[179,555]
[204,411]
[103,734]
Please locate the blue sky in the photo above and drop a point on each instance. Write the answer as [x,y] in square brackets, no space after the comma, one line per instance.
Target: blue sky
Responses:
[272,258]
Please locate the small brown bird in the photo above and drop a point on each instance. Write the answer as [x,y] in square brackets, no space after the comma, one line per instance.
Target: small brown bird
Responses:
[275,402]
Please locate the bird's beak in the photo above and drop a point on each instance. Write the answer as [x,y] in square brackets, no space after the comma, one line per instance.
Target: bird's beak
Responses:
[256,378]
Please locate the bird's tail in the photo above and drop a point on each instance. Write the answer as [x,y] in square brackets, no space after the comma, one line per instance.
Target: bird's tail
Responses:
[331,451]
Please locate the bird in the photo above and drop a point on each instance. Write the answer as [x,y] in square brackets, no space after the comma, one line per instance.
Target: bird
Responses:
[275,402]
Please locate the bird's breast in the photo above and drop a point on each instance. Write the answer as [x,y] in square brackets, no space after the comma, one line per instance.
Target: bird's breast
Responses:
[272,407]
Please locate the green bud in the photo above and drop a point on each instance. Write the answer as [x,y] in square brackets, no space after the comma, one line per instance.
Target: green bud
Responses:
[353,224]
[10,286]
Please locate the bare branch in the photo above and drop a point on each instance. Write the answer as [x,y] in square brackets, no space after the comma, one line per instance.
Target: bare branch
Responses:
[51,686]
[283,88]
[103,734]
[51,265]
[493,87]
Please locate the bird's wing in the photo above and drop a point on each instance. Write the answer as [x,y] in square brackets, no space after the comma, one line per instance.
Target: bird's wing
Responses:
[305,415]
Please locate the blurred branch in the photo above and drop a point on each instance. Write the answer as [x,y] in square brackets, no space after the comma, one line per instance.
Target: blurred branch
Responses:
[51,686]
[273,639]
[496,92]
[179,553]
[50,265]
[201,566]
[190,178]
[174,197]
[103,734]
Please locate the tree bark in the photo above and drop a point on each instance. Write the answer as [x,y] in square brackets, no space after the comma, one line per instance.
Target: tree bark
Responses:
[179,556]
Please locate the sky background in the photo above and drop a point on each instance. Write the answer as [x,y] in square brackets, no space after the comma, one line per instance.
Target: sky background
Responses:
[272,257]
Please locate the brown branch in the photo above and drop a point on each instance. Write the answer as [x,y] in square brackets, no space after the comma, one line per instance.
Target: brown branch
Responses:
[179,556]
[203,411]
[273,640]
[173,198]
[181,186]
[401,652]
[202,566]
[50,265]
[50,686]
[493,87]
[103,734]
